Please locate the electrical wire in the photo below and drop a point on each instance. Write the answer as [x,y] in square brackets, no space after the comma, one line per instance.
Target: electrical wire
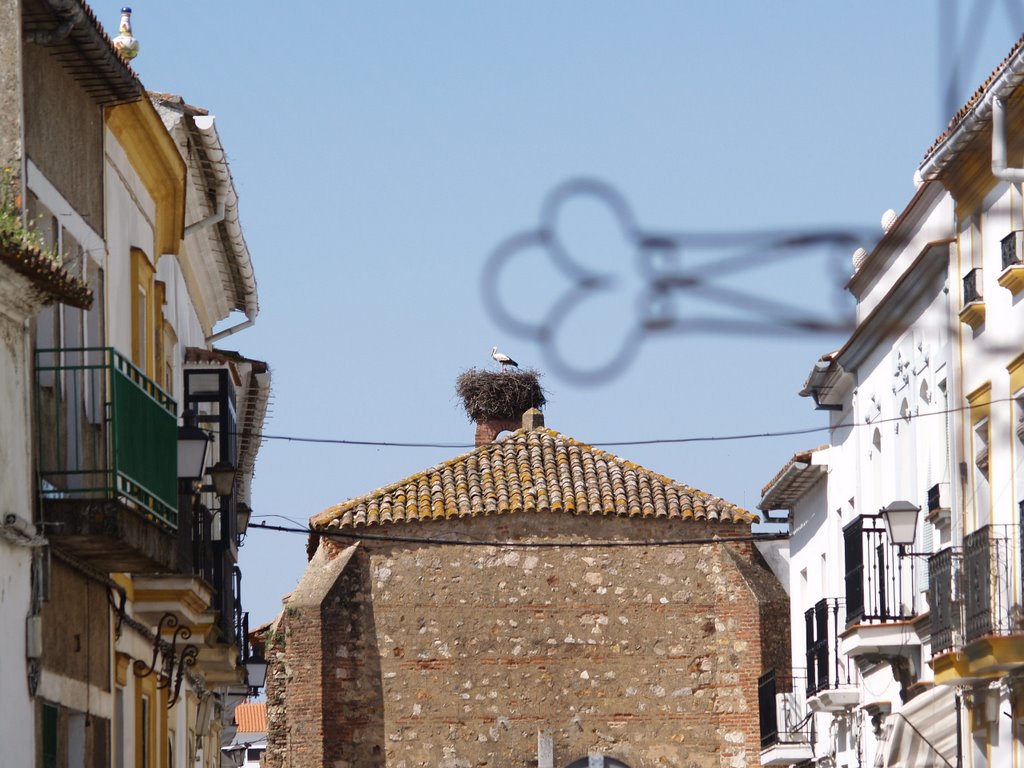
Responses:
[333,533]
[648,441]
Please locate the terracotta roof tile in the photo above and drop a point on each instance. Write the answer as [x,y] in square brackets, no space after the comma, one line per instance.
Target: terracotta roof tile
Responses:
[974,100]
[46,274]
[251,717]
[536,470]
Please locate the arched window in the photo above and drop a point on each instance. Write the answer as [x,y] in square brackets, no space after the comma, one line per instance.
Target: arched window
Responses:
[597,761]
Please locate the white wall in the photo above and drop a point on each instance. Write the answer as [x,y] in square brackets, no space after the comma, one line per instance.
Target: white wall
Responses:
[16,492]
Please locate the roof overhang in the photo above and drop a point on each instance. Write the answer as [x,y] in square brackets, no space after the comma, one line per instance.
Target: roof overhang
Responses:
[70,30]
[792,481]
[152,152]
[891,316]
[215,260]
[975,116]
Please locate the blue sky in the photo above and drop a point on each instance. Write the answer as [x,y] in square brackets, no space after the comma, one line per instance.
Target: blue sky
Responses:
[382,151]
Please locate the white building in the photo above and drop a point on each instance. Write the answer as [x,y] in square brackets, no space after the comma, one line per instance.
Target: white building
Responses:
[913,655]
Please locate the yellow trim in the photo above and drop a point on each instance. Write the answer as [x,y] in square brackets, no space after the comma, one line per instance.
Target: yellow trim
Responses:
[1016,371]
[1012,278]
[143,285]
[980,401]
[995,656]
[121,662]
[154,155]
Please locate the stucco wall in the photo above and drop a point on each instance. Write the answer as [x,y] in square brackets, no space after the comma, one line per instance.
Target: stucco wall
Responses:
[15,575]
[456,656]
[10,81]
[64,133]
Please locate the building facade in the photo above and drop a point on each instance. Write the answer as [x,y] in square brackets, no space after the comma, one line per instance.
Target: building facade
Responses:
[128,640]
[536,601]
[907,647]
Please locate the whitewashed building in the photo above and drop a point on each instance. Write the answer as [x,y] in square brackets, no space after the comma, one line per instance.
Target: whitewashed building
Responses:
[913,653]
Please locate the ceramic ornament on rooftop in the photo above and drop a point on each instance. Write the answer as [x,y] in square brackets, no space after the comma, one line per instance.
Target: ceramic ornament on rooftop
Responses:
[125,43]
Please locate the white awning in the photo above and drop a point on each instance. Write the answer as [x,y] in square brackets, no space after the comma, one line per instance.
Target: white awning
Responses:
[924,731]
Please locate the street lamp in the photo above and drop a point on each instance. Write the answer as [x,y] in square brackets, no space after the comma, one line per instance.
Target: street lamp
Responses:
[192,443]
[256,671]
[901,523]
[243,512]
[223,475]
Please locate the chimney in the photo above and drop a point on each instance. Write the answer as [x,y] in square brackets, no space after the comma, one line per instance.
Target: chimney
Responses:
[501,401]
[487,430]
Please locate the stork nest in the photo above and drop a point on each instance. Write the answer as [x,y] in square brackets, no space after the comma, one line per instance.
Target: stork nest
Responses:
[501,395]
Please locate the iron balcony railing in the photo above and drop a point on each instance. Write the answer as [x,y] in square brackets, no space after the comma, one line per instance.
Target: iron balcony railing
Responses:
[782,709]
[945,573]
[826,668]
[972,286]
[880,585]
[105,431]
[1011,248]
[989,574]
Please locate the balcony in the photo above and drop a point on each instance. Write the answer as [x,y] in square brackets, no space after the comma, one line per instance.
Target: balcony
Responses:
[945,585]
[993,621]
[1011,250]
[978,623]
[107,459]
[786,725]
[881,599]
[830,680]
[973,312]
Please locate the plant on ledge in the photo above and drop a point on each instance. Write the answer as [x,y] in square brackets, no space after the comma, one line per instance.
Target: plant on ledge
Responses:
[14,231]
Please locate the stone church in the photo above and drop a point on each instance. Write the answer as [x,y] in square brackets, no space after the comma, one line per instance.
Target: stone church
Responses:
[533,602]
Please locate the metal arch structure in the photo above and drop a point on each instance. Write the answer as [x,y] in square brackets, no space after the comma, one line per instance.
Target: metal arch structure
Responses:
[676,270]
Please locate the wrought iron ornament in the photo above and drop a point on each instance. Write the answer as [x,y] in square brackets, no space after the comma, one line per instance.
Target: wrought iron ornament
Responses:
[171,660]
[668,284]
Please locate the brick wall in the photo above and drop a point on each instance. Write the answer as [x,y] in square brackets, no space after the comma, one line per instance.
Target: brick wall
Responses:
[455,656]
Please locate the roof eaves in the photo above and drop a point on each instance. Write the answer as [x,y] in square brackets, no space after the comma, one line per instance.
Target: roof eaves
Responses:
[75,33]
[975,115]
[47,275]
[790,482]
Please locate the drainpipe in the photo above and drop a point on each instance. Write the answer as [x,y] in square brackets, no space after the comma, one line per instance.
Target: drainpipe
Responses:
[999,162]
[214,218]
[230,331]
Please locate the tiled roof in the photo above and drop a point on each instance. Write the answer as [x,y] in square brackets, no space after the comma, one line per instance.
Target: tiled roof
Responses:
[251,718]
[536,470]
[790,482]
[974,100]
[84,48]
[53,280]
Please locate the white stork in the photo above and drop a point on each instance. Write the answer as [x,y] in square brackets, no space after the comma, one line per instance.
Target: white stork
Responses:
[504,359]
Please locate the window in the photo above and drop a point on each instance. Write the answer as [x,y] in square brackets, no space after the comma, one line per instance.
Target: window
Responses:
[980,438]
[50,719]
[143,315]
[145,733]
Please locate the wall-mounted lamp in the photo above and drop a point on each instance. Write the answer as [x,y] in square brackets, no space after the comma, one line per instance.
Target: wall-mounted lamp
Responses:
[223,475]
[243,512]
[901,525]
[192,444]
[256,671]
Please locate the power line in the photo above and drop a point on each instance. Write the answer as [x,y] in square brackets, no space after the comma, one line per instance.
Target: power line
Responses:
[333,533]
[642,441]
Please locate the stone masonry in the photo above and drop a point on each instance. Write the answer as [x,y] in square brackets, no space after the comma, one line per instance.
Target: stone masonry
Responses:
[422,653]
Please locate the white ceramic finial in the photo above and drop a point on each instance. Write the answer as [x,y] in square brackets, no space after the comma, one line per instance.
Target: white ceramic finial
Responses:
[125,44]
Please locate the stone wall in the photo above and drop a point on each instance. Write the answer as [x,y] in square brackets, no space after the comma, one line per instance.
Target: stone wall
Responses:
[456,656]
